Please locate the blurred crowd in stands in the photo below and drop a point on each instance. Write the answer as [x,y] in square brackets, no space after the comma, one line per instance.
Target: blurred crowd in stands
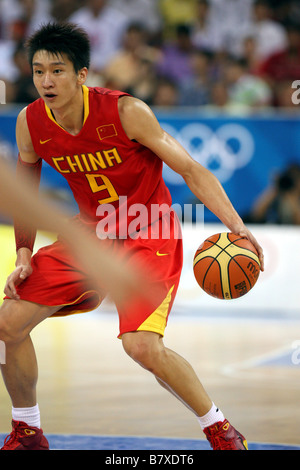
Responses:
[280,201]
[236,55]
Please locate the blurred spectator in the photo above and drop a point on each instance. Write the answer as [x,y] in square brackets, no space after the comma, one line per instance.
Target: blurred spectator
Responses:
[165,93]
[230,18]
[195,91]
[175,62]
[284,65]
[35,12]
[219,95]
[8,69]
[21,17]
[123,70]
[280,204]
[19,84]
[176,12]
[145,12]
[11,11]
[105,26]
[61,10]
[245,91]
[145,83]
[203,34]
[269,36]
[18,18]
[249,53]
[24,89]
[285,11]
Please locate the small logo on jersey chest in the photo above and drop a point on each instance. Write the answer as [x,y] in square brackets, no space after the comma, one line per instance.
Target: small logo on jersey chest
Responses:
[42,142]
[106,131]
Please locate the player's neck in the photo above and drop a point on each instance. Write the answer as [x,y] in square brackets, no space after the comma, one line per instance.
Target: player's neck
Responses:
[70,116]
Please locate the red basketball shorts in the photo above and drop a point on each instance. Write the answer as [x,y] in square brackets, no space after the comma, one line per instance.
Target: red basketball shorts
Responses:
[57,280]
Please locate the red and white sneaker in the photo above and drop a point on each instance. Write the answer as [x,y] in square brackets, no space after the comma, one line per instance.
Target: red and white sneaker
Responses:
[24,437]
[223,436]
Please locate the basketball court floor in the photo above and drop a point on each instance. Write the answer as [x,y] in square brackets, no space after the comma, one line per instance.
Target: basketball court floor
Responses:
[92,396]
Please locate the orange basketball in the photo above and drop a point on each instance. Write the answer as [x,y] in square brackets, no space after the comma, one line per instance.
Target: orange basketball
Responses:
[226,266]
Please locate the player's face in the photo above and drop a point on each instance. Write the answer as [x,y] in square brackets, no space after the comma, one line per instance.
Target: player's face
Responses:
[55,78]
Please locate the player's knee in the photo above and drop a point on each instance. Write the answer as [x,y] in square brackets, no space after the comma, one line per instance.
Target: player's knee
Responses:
[10,331]
[142,350]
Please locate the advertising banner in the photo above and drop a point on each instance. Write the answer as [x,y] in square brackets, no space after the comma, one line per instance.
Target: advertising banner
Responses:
[245,153]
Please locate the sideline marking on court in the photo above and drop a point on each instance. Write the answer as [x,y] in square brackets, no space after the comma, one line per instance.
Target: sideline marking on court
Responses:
[136,443]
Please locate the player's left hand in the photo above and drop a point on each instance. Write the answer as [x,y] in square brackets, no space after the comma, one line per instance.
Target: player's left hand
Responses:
[19,274]
[245,232]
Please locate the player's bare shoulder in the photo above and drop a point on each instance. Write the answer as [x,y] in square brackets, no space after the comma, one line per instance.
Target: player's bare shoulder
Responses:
[23,138]
[21,119]
[130,106]
[136,116]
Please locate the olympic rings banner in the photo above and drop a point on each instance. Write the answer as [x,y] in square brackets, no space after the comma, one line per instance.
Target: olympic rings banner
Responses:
[245,153]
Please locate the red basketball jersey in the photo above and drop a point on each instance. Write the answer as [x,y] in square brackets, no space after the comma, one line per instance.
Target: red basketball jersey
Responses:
[101,164]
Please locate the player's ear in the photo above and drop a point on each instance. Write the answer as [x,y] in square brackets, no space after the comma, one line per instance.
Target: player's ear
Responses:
[82,75]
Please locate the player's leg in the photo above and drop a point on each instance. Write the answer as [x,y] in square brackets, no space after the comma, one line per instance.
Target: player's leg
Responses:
[176,375]
[20,372]
[171,370]
[17,319]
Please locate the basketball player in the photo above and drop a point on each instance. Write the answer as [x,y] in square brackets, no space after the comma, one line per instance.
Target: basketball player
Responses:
[107,145]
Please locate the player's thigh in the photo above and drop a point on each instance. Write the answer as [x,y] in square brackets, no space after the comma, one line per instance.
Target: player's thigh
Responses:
[19,317]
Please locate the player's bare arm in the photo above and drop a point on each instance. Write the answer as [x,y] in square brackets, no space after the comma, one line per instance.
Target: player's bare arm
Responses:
[140,124]
[23,261]
[24,141]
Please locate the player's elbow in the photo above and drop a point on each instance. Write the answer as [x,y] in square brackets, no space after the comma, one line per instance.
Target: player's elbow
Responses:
[192,174]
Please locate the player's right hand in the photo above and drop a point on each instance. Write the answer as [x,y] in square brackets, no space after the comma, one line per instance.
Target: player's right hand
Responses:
[15,278]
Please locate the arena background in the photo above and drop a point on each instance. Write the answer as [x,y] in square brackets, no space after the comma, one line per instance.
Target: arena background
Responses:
[246,351]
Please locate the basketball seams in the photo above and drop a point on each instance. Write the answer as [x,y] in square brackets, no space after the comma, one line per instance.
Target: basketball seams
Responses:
[221,280]
[203,254]
[229,286]
[242,269]
[244,252]
[240,250]
[207,271]
[224,271]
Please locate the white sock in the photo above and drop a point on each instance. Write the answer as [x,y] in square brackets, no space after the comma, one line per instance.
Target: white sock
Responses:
[213,416]
[30,416]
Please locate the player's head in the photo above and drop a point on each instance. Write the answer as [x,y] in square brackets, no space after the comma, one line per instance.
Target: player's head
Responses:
[57,39]
[59,55]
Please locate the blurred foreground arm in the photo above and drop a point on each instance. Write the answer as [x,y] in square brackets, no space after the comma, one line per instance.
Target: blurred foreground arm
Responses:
[108,274]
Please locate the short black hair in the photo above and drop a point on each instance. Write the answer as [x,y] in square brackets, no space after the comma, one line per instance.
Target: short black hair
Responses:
[61,38]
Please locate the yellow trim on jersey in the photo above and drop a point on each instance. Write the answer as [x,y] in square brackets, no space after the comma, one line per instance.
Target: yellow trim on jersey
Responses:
[86,108]
[157,321]
[64,313]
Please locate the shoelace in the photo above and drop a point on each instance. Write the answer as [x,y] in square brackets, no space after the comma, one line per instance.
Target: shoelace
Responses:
[13,436]
[219,443]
